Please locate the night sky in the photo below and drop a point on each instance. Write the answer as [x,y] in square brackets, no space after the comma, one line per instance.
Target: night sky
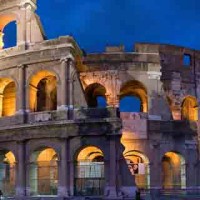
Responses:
[97,23]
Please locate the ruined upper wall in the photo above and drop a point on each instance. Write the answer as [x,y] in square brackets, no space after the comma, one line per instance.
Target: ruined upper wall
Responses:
[160,68]
[115,58]
[29,28]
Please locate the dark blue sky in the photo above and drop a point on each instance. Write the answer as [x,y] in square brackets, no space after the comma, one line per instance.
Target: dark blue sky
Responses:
[97,23]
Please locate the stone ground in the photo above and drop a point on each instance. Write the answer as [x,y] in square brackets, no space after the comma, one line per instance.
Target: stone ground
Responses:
[143,197]
[171,197]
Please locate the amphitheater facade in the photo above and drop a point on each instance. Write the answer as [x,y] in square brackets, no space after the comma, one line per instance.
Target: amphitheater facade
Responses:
[63,133]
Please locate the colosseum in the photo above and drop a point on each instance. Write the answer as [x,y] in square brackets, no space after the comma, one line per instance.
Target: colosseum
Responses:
[112,125]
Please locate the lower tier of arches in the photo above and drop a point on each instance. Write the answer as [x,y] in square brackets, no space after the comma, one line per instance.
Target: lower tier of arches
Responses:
[94,167]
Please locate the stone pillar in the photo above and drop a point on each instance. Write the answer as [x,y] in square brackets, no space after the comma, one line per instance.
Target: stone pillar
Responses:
[21,171]
[63,184]
[29,12]
[70,84]
[126,179]
[1,105]
[156,167]
[191,158]
[21,27]
[63,93]
[27,8]
[71,176]
[21,101]
[31,98]
[111,190]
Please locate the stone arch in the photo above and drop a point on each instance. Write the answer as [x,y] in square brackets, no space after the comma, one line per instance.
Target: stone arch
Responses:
[92,92]
[189,108]
[8,90]
[173,171]
[136,89]
[89,177]
[138,164]
[39,145]
[40,71]
[76,151]
[5,19]
[43,91]
[36,151]
[43,171]
[7,172]
[9,35]
[88,153]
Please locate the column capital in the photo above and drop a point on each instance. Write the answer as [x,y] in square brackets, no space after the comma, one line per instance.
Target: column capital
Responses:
[67,58]
[64,59]
[28,4]
[21,66]
[20,142]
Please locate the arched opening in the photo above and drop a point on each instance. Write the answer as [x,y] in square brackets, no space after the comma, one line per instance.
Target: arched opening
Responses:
[10,35]
[190,108]
[96,95]
[173,171]
[130,104]
[101,102]
[7,173]
[138,165]
[89,172]
[9,100]
[43,92]
[7,97]
[8,31]
[44,172]
[133,97]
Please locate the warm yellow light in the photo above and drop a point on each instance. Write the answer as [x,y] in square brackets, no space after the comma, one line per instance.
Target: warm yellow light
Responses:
[89,153]
[10,158]
[33,86]
[174,157]
[1,40]
[190,108]
[9,100]
[46,155]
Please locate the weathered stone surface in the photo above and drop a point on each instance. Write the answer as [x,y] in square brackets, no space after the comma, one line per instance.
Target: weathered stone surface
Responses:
[167,124]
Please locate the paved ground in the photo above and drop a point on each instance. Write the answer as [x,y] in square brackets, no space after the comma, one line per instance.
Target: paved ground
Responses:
[171,197]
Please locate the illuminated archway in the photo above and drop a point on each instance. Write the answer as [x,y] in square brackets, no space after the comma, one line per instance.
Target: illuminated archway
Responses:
[138,91]
[89,172]
[44,172]
[43,91]
[7,97]
[9,100]
[95,95]
[173,171]
[138,165]
[7,173]
[190,108]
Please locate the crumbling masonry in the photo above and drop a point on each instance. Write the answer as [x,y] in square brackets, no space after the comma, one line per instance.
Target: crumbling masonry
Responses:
[55,140]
